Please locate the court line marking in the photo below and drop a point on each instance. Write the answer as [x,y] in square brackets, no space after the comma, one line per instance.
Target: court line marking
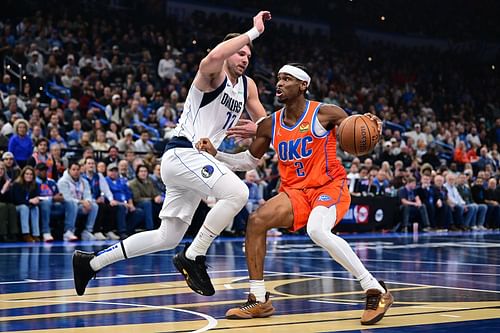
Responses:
[332,302]
[306,274]
[117,276]
[212,322]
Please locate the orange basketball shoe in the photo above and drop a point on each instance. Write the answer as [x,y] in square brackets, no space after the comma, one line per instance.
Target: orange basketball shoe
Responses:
[377,305]
[252,309]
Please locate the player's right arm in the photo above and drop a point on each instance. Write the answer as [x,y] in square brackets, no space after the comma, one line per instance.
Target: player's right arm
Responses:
[210,74]
[248,159]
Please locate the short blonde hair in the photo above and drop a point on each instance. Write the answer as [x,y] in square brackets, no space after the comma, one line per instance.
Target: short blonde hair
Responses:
[21,121]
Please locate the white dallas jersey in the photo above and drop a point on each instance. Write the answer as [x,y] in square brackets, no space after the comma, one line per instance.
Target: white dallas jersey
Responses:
[210,115]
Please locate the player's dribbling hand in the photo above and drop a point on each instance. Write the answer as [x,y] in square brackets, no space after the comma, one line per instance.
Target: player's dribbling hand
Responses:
[206,145]
[377,119]
[259,19]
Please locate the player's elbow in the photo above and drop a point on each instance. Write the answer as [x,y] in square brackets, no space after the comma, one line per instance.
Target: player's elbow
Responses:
[214,58]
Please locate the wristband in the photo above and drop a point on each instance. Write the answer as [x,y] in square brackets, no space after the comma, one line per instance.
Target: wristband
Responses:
[252,33]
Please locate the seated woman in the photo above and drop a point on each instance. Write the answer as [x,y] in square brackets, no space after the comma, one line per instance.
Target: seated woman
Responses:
[25,194]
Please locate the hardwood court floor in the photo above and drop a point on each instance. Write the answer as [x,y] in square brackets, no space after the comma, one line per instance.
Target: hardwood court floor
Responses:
[441,283]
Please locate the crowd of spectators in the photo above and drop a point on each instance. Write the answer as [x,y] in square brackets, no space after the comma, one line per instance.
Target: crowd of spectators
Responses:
[82,136]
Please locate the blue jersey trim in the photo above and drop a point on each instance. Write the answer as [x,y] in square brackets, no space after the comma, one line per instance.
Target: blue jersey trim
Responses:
[298,121]
[211,96]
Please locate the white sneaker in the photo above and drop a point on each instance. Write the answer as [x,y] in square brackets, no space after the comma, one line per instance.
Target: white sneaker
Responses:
[69,236]
[112,236]
[474,227]
[47,237]
[99,236]
[482,227]
[87,236]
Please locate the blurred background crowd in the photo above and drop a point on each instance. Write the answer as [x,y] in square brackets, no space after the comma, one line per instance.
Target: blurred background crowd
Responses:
[90,92]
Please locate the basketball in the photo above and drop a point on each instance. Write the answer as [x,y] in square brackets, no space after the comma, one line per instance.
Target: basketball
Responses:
[358,135]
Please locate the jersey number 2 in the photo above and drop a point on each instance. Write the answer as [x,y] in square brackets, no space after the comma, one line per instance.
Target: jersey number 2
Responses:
[229,120]
[300,169]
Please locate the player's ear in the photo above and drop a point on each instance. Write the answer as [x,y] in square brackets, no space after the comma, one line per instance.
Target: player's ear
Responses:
[303,86]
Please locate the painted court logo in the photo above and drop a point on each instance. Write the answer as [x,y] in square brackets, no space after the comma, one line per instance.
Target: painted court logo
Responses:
[207,171]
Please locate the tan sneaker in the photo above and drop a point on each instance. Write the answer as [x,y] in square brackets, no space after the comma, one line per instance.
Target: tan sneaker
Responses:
[252,309]
[377,305]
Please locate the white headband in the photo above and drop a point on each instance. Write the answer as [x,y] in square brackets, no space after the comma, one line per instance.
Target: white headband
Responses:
[296,72]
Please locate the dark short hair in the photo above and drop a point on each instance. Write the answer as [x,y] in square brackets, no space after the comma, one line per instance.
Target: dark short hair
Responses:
[42,140]
[299,65]
[74,163]
[236,34]
[41,166]
[139,168]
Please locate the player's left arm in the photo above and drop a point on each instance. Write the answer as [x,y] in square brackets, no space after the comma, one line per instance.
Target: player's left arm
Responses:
[247,128]
[330,115]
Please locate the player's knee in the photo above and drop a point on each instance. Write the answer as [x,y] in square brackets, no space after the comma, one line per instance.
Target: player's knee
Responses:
[239,195]
[315,232]
[257,222]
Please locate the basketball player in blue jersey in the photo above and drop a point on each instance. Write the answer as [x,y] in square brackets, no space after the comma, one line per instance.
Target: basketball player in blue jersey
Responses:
[219,94]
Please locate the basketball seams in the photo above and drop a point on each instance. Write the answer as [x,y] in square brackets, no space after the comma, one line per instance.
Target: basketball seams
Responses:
[369,135]
[354,136]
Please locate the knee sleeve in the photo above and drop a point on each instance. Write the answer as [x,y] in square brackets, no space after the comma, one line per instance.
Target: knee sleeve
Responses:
[233,190]
[320,224]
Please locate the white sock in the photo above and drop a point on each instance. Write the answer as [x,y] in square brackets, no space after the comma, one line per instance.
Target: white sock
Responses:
[319,226]
[201,243]
[369,282]
[166,237]
[258,288]
[107,256]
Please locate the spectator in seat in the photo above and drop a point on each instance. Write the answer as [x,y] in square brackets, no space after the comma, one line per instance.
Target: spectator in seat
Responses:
[42,155]
[20,143]
[51,200]
[143,145]
[458,206]
[492,198]
[101,194]
[412,205]
[25,195]
[75,135]
[157,182]
[380,184]
[146,196]
[127,142]
[9,228]
[76,192]
[466,194]
[122,194]
[11,168]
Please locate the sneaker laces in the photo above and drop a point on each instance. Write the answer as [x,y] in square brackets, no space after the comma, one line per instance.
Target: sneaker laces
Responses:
[372,301]
[249,304]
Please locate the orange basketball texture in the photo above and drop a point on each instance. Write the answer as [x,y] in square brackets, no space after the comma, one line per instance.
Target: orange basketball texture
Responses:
[358,135]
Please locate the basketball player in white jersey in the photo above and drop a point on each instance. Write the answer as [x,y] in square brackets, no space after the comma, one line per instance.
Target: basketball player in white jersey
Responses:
[219,94]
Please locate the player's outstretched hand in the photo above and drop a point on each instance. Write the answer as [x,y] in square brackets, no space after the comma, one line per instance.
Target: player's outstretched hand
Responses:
[259,19]
[206,145]
[244,129]
[377,119]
